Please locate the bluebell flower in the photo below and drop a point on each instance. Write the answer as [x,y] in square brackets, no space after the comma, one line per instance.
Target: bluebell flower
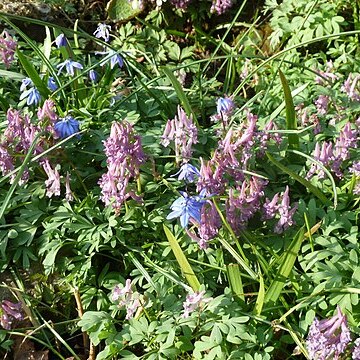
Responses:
[66,127]
[114,59]
[188,173]
[93,76]
[103,31]
[225,105]
[187,207]
[25,83]
[60,41]
[52,84]
[69,65]
[31,95]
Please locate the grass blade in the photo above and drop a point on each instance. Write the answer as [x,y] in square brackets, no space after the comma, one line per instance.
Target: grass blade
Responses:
[182,260]
[288,261]
[290,113]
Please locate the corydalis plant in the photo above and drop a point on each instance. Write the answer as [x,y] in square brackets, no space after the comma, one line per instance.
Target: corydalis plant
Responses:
[124,157]
[183,132]
[7,48]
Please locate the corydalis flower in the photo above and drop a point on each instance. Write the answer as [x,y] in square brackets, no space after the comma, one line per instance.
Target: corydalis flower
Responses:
[183,132]
[126,297]
[103,32]
[53,182]
[9,312]
[124,157]
[326,75]
[328,338]
[356,350]
[220,6]
[350,87]
[187,208]
[193,301]
[322,103]
[70,67]
[180,4]
[7,49]
[66,126]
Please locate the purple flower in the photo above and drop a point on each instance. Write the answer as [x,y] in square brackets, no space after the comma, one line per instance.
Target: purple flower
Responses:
[183,131]
[327,74]
[180,4]
[66,127]
[328,338]
[124,157]
[70,67]
[68,193]
[7,49]
[9,312]
[220,6]
[211,177]
[193,301]
[322,103]
[60,41]
[6,161]
[126,297]
[103,32]
[53,182]
[286,213]
[51,84]
[350,87]
[356,350]
[188,173]
[187,208]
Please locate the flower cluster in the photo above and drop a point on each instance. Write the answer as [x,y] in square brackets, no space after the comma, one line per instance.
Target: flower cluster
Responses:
[183,132]
[282,208]
[9,312]
[221,6]
[328,338]
[126,297]
[333,155]
[350,87]
[7,48]
[193,301]
[124,157]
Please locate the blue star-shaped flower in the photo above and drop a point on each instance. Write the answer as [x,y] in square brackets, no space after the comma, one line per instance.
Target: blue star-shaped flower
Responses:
[31,95]
[187,207]
[187,172]
[70,66]
[66,127]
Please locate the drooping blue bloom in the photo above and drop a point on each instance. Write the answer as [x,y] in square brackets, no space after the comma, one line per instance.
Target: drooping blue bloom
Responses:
[66,127]
[225,105]
[69,65]
[103,32]
[115,59]
[188,173]
[93,76]
[187,207]
[52,84]
[31,95]
[25,83]
[60,41]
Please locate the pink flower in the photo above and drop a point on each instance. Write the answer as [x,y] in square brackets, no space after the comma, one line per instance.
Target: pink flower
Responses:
[7,48]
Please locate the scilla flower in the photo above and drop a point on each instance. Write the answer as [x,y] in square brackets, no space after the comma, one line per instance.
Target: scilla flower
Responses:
[70,66]
[188,173]
[31,95]
[66,127]
[60,41]
[187,208]
[103,32]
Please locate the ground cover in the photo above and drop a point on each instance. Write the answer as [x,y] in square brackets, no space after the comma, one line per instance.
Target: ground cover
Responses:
[180,180]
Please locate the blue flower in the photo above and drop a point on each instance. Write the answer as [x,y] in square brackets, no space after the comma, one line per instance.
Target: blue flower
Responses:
[187,172]
[93,76]
[66,127]
[103,31]
[187,207]
[31,95]
[52,84]
[225,105]
[60,41]
[114,59]
[69,66]
[25,83]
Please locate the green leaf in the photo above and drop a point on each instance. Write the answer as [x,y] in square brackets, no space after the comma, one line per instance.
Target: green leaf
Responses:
[290,113]
[122,10]
[33,74]
[234,276]
[288,261]
[182,260]
[180,93]
[12,75]
[261,297]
